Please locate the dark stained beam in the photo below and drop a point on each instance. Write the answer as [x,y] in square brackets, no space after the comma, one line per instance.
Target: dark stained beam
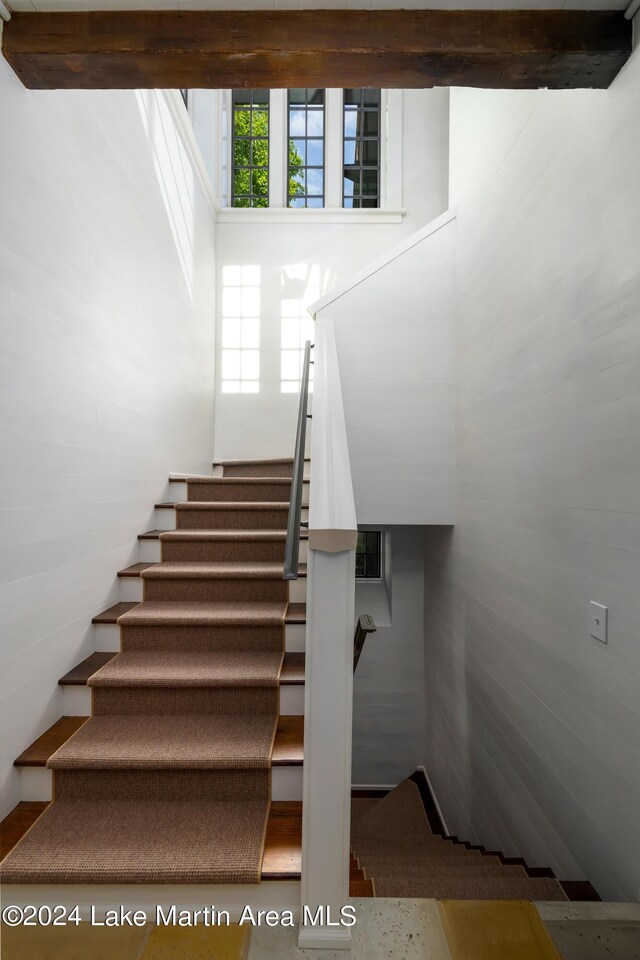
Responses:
[520,49]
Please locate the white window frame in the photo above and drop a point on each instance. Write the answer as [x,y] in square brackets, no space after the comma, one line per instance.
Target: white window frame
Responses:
[390,209]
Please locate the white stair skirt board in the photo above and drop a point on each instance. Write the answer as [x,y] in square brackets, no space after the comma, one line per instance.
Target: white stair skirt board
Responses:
[76,700]
[324,939]
[178,490]
[149,551]
[107,637]
[166,517]
[36,783]
[233,897]
[286,783]
[131,590]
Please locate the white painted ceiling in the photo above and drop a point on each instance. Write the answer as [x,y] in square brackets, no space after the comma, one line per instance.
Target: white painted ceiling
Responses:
[55,5]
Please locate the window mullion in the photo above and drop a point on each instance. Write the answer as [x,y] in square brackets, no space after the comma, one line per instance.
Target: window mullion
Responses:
[391,149]
[333,148]
[277,152]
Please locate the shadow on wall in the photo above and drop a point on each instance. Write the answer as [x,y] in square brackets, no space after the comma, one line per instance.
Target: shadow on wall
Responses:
[174,174]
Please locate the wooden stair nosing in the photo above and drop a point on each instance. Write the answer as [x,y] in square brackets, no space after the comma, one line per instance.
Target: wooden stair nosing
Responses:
[155,534]
[263,481]
[136,569]
[282,855]
[246,462]
[292,673]
[265,505]
[287,747]
[296,612]
[18,821]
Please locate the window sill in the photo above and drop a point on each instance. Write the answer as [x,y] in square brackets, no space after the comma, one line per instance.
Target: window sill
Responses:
[323,215]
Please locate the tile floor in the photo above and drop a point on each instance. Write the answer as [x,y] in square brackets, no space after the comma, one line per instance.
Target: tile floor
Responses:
[386,930]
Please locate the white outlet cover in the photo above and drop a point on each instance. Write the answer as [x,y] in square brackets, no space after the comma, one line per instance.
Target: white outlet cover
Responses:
[598,616]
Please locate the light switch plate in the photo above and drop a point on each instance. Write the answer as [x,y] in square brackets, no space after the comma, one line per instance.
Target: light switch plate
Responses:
[598,616]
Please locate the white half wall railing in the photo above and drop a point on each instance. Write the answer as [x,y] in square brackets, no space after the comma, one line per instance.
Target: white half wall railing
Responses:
[333,532]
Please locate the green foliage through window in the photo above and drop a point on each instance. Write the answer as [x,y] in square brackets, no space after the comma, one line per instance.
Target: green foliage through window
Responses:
[250,148]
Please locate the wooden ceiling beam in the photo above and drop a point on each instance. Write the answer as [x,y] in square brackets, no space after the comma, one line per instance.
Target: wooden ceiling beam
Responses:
[520,49]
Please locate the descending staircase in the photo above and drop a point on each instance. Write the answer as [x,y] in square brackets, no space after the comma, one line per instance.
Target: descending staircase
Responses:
[393,841]
[189,768]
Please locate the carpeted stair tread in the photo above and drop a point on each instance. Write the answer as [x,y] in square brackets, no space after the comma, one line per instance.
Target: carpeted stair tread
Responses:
[393,841]
[191,669]
[399,814]
[239,505]
[253,461]
[236,480]
[148,841]
[465,888]
[224,535]
[218,613]
[223,570]
[167,742]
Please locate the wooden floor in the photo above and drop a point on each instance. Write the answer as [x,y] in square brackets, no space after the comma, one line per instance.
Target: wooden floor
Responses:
[292,669]
[287,747]
[15,825]
[296,612]
[282,858]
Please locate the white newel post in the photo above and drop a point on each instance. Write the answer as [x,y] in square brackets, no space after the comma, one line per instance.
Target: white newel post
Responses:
[329,663]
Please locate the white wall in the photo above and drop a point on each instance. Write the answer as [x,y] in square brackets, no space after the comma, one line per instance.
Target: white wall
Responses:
[322,255]
[107,350]
[388,691]
[395,339]
[533,728]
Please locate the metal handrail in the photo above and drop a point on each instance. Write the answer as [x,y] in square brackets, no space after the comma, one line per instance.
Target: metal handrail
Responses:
[292,548]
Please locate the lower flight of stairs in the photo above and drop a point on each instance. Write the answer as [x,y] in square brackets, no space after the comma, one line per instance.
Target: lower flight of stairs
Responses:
[179,758]
[399,842]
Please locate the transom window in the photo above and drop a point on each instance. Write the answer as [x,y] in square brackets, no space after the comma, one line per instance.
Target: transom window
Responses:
[250,148]
[369,555]
[306,148]
[361,148]
[310,148]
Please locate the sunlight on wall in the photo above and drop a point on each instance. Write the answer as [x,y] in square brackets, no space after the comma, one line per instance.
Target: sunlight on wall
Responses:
[240,329]
[175,176]
[300,287]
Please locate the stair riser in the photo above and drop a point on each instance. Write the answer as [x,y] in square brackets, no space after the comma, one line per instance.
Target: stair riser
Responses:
[76,700]
[165,519]
[257,470]
[36,783]
[131,591]
[256,551]
[201,590]
[234,493]
[107,637]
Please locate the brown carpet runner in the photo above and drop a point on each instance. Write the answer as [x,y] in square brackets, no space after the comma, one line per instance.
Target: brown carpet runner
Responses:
[393,842]
[169,781]
[232,516]
[141,841]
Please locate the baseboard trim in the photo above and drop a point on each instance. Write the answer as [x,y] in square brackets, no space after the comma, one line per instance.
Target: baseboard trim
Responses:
[372,789]
[443,823]
[324,938]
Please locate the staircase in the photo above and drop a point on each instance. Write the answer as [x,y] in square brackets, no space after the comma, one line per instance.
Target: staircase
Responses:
[393,841]
[179,758]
